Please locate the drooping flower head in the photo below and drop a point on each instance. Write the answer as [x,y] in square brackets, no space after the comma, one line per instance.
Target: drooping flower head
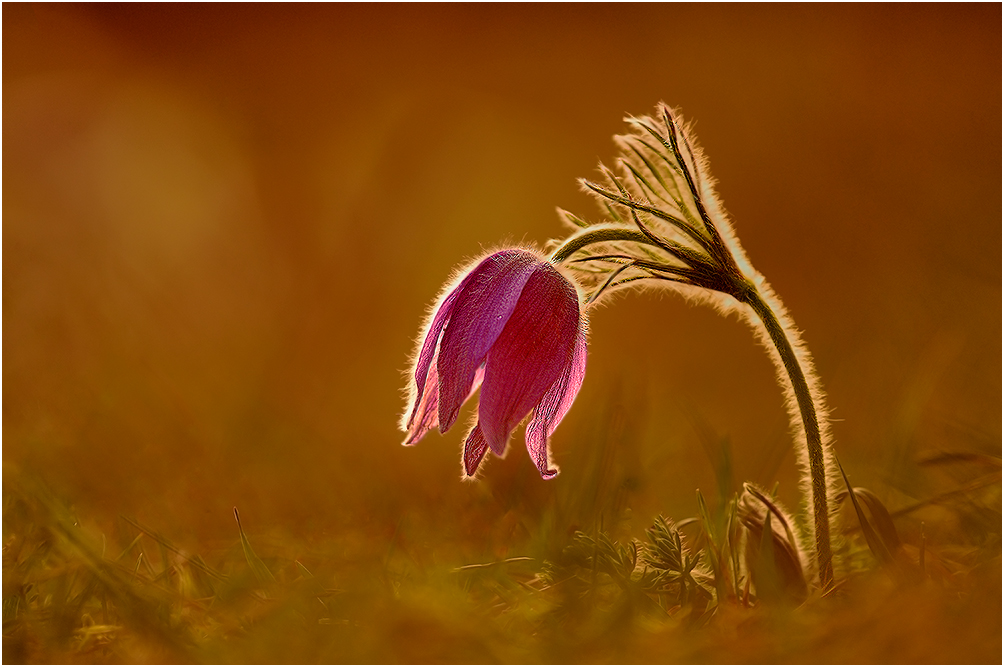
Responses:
[513,326]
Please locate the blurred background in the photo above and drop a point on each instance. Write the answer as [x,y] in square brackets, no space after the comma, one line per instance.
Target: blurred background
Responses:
[224,225]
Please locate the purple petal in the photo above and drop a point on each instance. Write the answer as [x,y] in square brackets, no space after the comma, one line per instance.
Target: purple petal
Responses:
[531,353]
[427,406]
[553,407]
[424,362]
[479,314]
[474,450]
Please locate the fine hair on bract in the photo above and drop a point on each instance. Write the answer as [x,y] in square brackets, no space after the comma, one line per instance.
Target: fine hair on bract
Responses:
[665,226]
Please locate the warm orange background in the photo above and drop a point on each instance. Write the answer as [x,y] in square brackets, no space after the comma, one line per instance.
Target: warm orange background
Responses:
[223,224]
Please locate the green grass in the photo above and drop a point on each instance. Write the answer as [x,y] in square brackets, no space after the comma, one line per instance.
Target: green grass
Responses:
[97,589]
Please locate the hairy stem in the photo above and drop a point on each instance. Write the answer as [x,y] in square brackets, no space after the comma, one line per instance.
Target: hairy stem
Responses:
[811,427]
[599,235]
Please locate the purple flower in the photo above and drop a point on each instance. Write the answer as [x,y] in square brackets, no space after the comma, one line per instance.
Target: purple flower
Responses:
[512,326]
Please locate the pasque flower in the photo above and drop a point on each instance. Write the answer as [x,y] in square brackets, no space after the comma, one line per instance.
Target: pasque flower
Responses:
[513,326]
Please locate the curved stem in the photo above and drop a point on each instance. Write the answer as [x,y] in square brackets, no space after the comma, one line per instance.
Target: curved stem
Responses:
[811,427]
[598,235]
[728,279]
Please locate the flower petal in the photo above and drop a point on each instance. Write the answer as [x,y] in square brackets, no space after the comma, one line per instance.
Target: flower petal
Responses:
[424,366]
[475,448]
[425,407]
[428,404]
[530,355]
[479,314]
[553,407]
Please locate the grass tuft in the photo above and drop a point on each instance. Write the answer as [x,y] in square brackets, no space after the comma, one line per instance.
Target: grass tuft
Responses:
[75,594]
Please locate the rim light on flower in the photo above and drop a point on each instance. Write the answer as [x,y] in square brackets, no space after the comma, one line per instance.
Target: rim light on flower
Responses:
[513,326]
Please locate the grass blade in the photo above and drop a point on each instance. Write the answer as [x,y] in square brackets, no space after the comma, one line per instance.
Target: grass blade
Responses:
[258,567]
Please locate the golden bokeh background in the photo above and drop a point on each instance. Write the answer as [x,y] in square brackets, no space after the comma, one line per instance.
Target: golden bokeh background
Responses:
[223,226]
